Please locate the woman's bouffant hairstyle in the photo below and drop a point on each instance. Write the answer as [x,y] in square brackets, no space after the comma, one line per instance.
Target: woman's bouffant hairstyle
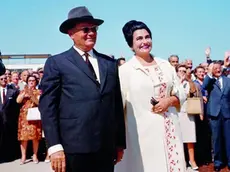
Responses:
[130,27]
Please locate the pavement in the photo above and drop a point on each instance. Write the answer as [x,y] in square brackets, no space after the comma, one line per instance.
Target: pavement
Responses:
[29,166]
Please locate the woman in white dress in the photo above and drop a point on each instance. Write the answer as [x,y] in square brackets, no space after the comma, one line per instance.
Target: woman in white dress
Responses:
[154,142]
[187,122]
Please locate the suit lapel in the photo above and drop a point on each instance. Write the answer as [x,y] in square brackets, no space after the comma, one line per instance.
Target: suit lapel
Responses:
[76,59]
[103,66]
[9,93]
[224,83]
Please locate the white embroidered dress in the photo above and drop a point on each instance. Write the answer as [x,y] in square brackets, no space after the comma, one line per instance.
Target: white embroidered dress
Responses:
[154,141]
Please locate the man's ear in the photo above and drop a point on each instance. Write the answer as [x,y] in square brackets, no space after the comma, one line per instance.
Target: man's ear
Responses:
[70,32]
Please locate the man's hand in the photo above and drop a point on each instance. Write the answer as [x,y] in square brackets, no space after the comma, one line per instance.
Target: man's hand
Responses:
[58,162]
[201,117]
[205,99]
[208,51]
[120,153]
[226,59]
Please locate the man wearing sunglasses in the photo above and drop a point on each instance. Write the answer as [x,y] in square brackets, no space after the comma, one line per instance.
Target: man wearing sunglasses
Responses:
[81,105]
[9,111]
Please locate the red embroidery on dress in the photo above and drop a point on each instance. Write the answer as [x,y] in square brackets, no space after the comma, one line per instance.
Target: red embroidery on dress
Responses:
[173,156]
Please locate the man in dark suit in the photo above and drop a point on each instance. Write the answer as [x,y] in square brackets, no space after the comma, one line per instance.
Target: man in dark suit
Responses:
[81,105]
[9,111]
[218,111]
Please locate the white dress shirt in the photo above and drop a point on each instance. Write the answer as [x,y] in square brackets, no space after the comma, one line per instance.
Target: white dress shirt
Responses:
[1,89]
[94,62]
[92,59]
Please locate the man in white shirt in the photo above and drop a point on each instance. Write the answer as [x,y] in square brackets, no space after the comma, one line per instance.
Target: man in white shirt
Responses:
[81,105]
[22,82]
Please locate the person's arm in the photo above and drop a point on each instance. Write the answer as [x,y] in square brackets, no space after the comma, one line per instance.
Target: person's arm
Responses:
[34,98]
[207,54]
[120,119]
[48,105]
[20,97]
[192,87]
[208,80]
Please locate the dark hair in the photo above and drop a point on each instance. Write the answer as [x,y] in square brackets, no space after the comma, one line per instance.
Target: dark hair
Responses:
[198,67]
[32,76]
[119,60]
[179,66]
[169,59]
[130,27]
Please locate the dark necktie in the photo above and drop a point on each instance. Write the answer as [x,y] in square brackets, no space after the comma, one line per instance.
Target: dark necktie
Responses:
[3,96]
[91,67]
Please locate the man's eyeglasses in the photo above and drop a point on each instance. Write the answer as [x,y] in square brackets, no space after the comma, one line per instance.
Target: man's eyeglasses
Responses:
[3,79]
[89,29]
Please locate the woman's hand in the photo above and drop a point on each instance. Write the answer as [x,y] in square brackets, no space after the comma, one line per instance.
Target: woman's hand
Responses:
[201,117]
[162,106]
[181,76]
[205,99]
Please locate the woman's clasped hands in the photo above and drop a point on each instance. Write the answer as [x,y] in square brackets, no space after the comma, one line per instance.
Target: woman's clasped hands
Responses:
[162,105]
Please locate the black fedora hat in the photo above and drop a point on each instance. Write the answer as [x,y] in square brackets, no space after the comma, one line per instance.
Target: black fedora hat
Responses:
[77,15]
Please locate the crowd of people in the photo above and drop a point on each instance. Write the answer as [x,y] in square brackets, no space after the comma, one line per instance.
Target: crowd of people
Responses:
[19,92]
[205,134]
[141,115]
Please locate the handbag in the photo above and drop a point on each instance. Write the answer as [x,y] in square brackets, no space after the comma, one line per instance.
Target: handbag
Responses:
[194,104]
[33,114]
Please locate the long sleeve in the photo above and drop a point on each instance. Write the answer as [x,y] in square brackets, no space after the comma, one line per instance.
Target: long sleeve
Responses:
[208,81]
[121,138]
[49,101]
[123,85]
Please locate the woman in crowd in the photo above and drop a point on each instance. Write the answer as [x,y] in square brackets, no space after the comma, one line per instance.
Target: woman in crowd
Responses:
[203,132]
[29,130]
[187,122]
[154,140]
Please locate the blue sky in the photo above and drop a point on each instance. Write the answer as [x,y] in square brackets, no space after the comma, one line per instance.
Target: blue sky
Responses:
[178,27]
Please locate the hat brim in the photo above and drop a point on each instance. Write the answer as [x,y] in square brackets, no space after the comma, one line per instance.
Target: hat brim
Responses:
[70,23]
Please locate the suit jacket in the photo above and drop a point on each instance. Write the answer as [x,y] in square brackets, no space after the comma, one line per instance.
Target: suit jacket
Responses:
[10,109]
[9,112]
[78,113]
[218,99]
[2,67]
